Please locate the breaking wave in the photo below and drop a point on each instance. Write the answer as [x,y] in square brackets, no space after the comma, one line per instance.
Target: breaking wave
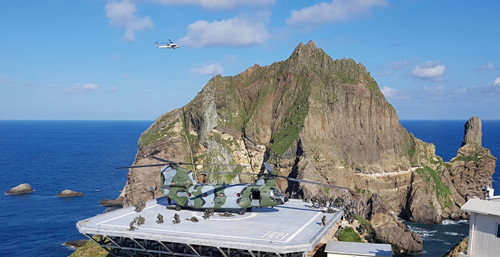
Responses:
[453,234]
[454,222]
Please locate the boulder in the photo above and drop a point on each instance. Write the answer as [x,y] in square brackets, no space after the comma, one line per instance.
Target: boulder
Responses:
[69,193]
[389,229]
[21,189]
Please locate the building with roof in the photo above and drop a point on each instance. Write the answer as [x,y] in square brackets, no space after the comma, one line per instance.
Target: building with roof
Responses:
[353,249]
[484,227]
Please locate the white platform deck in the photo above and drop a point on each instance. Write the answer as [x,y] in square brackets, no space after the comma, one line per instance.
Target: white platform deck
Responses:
[293,227]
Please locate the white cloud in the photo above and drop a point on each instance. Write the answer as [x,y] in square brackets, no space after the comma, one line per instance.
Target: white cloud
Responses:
[429,70]
[388,92]
[232,32]
[216,4]
[488,67]
[390,68]
[497,82]
[89,86]
[336,11]
[122,15]
[79,88]
[209,69]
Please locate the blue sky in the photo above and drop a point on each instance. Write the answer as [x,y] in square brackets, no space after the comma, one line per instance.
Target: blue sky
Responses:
[96,59]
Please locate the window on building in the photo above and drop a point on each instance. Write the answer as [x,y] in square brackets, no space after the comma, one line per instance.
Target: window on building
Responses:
[498,230]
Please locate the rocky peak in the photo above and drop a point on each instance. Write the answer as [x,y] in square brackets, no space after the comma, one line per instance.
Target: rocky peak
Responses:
[318,119]
[472,132]
[309,55]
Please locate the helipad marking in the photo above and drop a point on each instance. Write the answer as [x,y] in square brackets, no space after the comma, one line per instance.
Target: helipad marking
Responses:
[274,235]
[302,228]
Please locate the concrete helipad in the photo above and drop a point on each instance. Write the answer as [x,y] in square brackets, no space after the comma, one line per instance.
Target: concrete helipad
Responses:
[292,227]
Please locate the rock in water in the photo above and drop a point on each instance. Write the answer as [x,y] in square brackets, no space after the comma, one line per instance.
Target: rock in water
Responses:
[21,189]
[472,132]
[75,244]
[119,202]
[69,193]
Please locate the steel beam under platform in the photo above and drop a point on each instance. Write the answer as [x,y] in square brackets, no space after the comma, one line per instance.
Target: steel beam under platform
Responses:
[289,230]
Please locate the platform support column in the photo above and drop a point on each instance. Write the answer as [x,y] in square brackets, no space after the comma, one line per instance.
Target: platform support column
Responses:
[194,251]
[119,247]
[142,247]
[164,246]
[222,252]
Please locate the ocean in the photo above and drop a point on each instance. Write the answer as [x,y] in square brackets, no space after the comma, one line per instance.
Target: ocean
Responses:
[82,155]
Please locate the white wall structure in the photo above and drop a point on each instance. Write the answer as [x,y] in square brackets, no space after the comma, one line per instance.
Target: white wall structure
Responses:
[484,234]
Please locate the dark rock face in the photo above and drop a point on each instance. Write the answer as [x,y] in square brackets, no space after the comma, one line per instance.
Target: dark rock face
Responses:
[473,132]
[20,189]
[389,229]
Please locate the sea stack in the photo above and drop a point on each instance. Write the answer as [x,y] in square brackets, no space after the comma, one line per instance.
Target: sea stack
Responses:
[473,166]
[69,193]
[21,189]
[473,132]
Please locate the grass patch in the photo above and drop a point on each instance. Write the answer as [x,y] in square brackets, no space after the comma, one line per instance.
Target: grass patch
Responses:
[90,249]
[348,235]
[412,149]
[359,190]
[473,158]
[151,137]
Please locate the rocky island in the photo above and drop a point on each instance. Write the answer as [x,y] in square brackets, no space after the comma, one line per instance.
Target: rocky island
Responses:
[69,193]
[318,119]
[20,189]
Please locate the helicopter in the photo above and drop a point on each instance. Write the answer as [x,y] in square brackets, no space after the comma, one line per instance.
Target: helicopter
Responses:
[167,45]
[179,185]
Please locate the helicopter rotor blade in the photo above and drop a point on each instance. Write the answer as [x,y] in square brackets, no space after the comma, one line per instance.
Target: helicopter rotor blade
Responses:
[160,159]
[210,164]
[186,163]
[227,173]
[140,166]
[311,182]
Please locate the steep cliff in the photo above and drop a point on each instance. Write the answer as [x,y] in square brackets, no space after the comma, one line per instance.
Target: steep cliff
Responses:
[439,189]
[318,119]
[308,115]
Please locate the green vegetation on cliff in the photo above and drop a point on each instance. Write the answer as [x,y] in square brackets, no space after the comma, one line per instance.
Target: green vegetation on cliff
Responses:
[293,121]
[160,128]
[443,193]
